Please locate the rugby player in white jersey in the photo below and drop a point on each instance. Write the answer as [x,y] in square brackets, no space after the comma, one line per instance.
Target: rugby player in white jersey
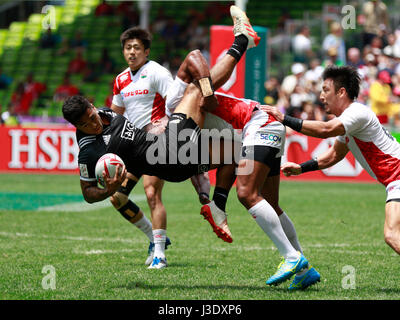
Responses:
[357,130]
[139,94]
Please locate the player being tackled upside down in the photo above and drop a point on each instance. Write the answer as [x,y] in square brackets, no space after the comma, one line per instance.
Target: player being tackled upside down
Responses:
[258,171]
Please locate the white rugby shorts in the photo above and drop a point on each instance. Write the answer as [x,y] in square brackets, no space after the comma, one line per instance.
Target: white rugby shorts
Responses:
[393,190]
[258,133]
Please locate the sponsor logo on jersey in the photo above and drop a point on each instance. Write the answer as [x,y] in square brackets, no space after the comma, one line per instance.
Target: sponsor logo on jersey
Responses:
[106,138]
[123,77]
[134,93]
[268,139]
[128,132]
[143,74]
[83,170]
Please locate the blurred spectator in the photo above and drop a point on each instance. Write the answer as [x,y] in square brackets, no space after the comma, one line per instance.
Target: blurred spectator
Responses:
[314,73]
[382,100]
[354,58]
[78,42]
[375,20]
[49,39]
[65,90]
[272,91]
[309,111]
[393,47]
[301,45]
[5,80]
[78,64]
[291,81]
[332,58]
[33,87]
[160,21]
[104,9]
[8,118]
[171,30]
[109,98]
[216,11]
[335,40]
[106,62]
[21,100]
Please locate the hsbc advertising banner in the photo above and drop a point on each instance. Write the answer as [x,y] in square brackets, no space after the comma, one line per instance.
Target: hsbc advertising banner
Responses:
[54,150]
[40,150]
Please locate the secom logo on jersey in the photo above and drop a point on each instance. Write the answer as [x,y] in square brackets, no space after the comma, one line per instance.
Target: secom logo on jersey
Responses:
[134,93]
[270,137]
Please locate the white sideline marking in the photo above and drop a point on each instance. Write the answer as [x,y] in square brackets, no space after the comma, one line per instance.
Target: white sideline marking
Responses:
[72,238]
[84,206]
[332,247]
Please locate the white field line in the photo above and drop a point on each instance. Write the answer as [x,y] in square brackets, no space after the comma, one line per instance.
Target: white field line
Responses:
[84,206]
[332,247]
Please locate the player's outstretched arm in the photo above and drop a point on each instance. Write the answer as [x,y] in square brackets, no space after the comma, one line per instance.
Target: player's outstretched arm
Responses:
[329,158]
[312,128]
[92,193]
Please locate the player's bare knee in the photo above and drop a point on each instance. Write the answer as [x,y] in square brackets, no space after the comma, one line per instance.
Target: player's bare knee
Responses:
[392,238]
[246,196]
[118,200]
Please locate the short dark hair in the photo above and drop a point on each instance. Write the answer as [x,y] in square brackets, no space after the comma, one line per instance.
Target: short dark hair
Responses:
[136,33]
[344,77]
[74,108]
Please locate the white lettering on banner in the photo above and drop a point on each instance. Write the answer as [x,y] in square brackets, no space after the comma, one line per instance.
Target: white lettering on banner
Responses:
[47,149]
[343,168]
[295,138]
[69,147]
[17,148]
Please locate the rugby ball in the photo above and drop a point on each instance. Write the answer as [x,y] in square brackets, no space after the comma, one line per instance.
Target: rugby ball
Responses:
[107,163]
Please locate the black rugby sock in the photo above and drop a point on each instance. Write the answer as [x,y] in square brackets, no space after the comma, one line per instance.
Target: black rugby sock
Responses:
[238,47]
[220,197]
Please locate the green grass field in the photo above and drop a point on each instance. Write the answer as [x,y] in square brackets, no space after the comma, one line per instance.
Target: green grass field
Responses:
[96,254]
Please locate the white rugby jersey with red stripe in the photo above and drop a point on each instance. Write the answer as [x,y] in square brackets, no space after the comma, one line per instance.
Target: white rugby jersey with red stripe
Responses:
[234,110]
[143,93]
[375,149]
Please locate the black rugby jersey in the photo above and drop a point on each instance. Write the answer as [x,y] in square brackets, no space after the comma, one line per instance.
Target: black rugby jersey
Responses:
[119,137]
[142,152]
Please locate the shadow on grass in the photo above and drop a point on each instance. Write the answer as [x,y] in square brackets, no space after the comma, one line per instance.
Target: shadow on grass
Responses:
[134,285]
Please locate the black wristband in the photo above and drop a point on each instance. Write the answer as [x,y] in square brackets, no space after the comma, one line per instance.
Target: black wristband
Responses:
[294,123]
[310,165]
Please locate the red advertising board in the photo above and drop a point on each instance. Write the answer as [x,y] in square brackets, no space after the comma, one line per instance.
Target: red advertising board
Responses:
[300,148]
[40,150]
[54,150]
[221,39]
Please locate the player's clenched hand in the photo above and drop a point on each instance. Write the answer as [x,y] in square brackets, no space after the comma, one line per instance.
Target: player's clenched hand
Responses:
[291,169]
[113,183]
[274,111]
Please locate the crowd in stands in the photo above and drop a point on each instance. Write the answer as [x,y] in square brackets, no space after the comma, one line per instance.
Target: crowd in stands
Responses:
[377,61]
[297,93]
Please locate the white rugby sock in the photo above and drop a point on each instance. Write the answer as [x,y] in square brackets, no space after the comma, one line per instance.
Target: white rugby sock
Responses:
[146,227]
[268,220]
[290,231]
[160,236]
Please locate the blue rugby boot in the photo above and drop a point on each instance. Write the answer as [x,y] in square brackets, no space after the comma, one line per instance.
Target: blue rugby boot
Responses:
[305,280]
[287,269]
